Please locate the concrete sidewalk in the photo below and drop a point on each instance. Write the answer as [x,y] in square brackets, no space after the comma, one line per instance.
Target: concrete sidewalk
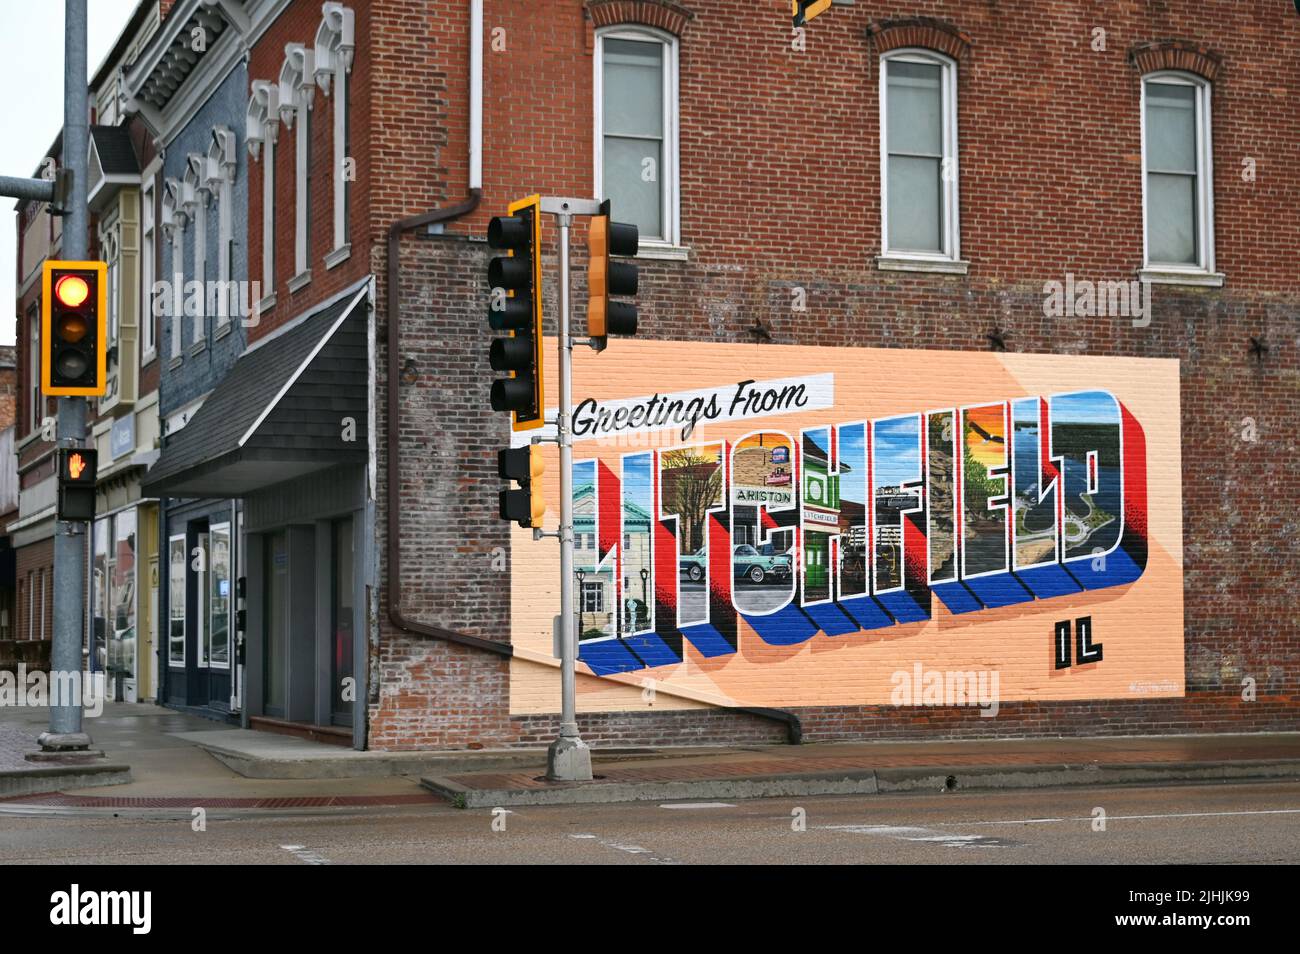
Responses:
[878,767]
[166,768]
[177,761]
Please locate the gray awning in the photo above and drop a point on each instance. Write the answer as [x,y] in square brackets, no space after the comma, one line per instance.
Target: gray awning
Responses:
[294,404]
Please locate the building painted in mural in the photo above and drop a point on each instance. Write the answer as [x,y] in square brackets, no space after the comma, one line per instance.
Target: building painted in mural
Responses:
[986,479]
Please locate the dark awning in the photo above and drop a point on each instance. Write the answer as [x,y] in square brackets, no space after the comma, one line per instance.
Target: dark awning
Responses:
[282,411]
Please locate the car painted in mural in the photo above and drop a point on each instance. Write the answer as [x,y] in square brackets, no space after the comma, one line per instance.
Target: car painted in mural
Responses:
[755,565]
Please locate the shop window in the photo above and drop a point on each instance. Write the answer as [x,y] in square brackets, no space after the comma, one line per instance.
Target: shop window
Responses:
[219,597]
[176,600]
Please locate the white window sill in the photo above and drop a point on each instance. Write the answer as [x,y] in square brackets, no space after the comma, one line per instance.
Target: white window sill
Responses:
[898,263]
[665,253]
[338,256]
[175,362]
[223,329]
[265,304]
[1168,276]
[148,358]
[300,281]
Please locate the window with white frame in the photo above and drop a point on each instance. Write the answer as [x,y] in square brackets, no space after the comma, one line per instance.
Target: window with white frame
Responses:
[918,156]
[1177,176]
[636,130]
[148,232]
[297,80]
[221,164]
[36,406]
[260,131]
[195,193]
[173,226]
[335,43]
[176,600]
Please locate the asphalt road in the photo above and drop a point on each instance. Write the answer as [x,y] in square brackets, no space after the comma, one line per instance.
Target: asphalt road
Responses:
[1244,823]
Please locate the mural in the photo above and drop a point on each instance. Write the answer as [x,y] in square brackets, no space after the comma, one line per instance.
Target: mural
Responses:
[791,526]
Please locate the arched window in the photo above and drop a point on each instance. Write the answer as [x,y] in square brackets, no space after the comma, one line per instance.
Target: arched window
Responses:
[918,157]
[636,130]
[1177,174]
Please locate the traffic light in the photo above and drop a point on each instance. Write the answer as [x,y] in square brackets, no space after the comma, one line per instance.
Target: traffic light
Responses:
[516,307]
[74,332]
[524,466]
[807,9]
[78,467]
[606,277]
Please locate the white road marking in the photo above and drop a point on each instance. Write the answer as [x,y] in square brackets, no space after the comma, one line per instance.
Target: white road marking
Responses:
[627,848]
[1089,818]
[306,855]
[699,805]
[908,833]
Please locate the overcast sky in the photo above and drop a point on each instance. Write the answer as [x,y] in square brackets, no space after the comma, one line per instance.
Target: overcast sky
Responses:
[31,70]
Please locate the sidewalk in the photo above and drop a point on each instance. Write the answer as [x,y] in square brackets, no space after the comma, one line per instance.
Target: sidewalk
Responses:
[166,769]
[180,762]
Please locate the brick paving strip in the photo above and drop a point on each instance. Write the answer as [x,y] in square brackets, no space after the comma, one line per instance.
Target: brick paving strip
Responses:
[65,800]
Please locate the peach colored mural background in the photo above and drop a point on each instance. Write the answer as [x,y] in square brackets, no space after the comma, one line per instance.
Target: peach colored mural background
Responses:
[1140,625]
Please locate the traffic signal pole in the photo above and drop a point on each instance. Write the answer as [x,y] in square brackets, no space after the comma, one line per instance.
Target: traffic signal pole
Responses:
[567,758]
[65,734]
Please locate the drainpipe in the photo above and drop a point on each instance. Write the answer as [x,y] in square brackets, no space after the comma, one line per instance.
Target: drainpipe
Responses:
[393,458]
[794,728]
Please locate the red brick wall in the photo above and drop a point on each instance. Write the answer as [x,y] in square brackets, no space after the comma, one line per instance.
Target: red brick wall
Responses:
[780,186]
[298,24]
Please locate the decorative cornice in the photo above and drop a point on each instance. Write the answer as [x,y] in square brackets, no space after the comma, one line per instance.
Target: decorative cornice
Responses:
[1182,55]
[665,14]
[926,32]
[335,43]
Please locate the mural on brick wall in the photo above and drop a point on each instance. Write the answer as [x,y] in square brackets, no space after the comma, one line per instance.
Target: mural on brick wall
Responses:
[794,526]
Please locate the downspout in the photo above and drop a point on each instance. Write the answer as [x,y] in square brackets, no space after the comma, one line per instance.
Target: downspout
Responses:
[794,728]
[395,232]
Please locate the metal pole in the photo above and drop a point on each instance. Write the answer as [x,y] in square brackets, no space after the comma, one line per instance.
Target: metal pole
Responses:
[568,758]
[69,538]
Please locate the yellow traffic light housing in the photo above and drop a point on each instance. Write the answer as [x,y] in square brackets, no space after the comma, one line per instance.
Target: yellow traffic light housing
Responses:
[74,329]
[804,10]
[524,465]
[516,283]
[606,277]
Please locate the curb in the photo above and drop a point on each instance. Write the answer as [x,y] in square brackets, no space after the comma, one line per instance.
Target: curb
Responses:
[58,778]
[868,782]
[579,793]
[389,764]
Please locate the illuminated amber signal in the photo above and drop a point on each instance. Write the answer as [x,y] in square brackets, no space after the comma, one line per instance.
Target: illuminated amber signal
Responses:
[74,332]
[72,290]
[76,466]
[804,10]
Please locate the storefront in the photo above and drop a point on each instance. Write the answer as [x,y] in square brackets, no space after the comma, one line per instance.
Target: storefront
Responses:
[269,510]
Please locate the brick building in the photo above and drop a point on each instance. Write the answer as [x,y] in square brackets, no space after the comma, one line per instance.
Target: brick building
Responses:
[1018,143]
[876,207]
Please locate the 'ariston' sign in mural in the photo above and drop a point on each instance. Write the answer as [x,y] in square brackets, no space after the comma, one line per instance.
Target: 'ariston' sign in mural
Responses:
[780,525]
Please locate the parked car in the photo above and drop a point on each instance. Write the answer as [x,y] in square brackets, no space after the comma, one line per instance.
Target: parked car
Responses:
[691,565]
[751,564]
